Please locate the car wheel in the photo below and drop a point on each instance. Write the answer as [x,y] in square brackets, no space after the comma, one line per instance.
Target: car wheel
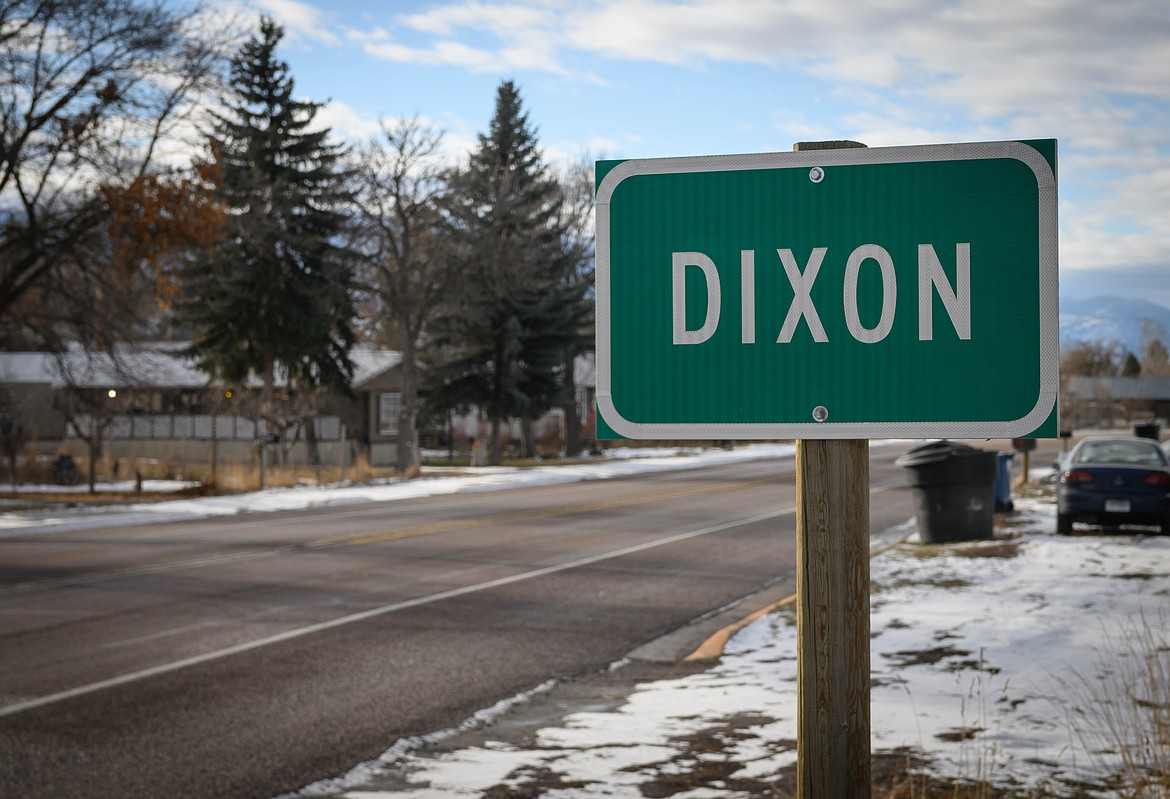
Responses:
[1064,524]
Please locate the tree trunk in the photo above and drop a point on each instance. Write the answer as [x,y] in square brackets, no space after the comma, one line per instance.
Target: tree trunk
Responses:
[311,450]
[266,409]
[528,437]
[497,402]
[572,417]
[406,455]
[95,452]
[214,450]
[495,447]
[268,400]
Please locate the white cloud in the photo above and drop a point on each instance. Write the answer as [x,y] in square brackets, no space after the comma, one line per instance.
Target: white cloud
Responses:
[346,123]
[681,34]
[299,20]
[606,146]
[506,20]
[990,57]
[1055,61]
[371,36]
[1144,196]
[524,36]
[993,57]
[445,53]
[233,17]
[872,67]
[480,37]
[458,146]
[876,131]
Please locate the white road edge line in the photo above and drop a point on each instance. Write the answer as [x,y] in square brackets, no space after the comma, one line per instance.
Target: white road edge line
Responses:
[287,635]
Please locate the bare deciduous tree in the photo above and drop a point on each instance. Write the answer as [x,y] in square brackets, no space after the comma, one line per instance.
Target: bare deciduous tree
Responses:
[579,254]
[89,89]
[1155,360]
[401,189]
[1092,359]
[88,400]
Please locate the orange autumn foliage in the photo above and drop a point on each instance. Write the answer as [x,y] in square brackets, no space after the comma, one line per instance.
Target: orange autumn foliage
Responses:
[160,218]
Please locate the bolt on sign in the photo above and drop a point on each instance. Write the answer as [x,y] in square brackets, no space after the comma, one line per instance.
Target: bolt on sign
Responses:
[854,293]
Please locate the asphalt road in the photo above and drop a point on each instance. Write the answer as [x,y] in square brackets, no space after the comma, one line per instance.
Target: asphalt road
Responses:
[252,656]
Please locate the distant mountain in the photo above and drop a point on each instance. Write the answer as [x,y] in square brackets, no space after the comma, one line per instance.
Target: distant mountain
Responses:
[1110,319]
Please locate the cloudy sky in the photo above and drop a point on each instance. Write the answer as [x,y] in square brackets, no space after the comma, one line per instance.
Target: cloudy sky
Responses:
[651,78]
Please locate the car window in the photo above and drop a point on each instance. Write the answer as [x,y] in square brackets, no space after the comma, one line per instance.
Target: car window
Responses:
[1131,453]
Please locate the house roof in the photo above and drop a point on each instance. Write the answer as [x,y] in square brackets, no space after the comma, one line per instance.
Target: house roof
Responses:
[148,367]
[1119,388]
[585,371]
[153,366]
[370,364]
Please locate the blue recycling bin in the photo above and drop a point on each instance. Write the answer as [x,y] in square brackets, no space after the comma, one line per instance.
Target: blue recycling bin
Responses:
[1003,482]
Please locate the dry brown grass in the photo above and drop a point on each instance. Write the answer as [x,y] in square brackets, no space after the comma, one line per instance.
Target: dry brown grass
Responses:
[1120,714]
[225,478]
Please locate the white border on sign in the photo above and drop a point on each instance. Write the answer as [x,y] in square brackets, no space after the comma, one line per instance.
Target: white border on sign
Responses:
[1049,290]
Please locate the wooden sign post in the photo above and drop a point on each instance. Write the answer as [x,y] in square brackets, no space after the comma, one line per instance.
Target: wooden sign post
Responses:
[832,584]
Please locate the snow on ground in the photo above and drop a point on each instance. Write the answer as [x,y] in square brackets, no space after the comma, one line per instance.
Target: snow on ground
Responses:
[617,462]
[979,650]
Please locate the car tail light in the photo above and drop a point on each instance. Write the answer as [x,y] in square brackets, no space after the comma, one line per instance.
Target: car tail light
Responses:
[1158,479]
[1078,476]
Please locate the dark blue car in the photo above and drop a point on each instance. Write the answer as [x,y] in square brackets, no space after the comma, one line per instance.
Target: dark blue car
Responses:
[1114,481]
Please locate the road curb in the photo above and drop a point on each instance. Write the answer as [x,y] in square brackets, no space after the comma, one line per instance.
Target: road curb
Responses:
[712,648]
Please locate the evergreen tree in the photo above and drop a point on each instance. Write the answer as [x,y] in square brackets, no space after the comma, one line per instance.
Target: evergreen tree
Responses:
[505,335]
[275,293]
[1132,366]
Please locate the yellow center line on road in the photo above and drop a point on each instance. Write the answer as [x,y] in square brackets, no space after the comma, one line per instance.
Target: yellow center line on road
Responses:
[151,568]
[526,515]
[364,538]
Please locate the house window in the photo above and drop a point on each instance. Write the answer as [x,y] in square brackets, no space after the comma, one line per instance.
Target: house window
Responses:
[388,407]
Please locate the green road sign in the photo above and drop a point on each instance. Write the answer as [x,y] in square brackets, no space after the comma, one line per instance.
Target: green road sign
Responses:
[856,293]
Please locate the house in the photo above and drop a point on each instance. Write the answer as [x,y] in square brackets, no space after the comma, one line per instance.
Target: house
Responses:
[42,390]
[380,388]
[1114,401]
[377,383]
[154,402]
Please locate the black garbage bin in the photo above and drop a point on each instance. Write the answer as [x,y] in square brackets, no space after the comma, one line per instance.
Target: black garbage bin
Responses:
[1150,428]
[954,491]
